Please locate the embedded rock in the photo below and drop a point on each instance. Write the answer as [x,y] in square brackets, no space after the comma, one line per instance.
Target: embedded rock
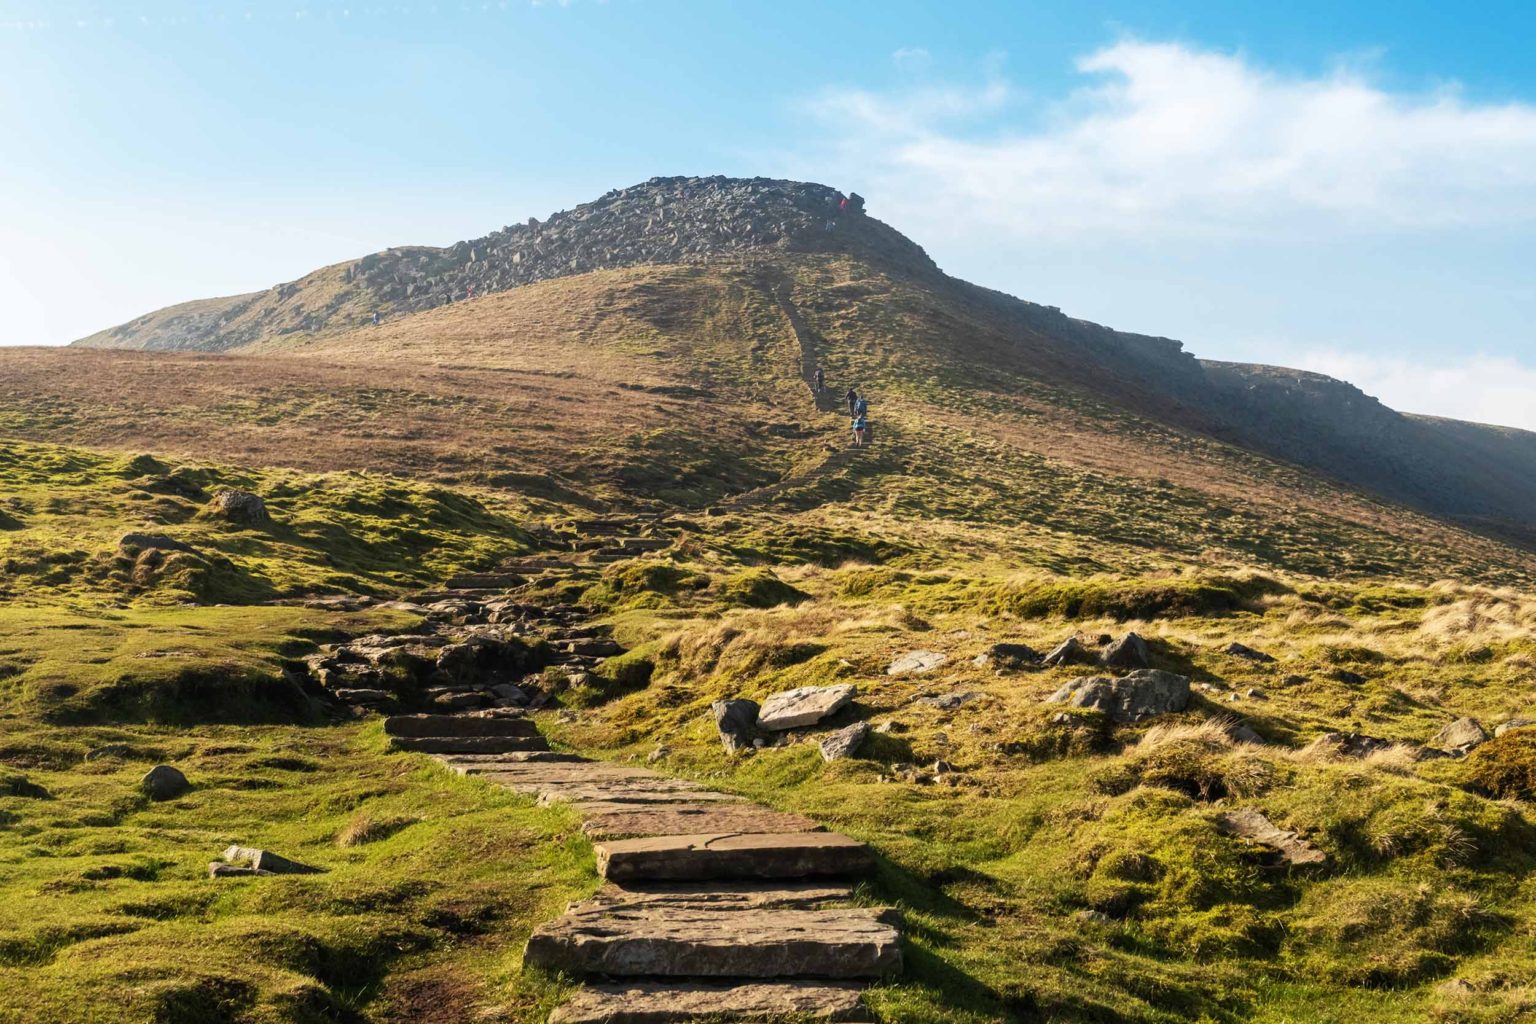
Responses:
[1238,650]
[1460,735]
[916,662]
[1070,652]
[163,782]
[133,543]
[1253,826]
[1131,698]
[736,721]
[1350,744]
[1130,651]
[844,742]
[240,507]
[267,862]
[1513,723]
[805,705]
[1011,656]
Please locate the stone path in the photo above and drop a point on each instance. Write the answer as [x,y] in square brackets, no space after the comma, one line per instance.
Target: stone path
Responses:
[712,907]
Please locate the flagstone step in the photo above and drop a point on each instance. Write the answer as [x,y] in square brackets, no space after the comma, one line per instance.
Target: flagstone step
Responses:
[486,581]
[662,1003]
[784,895]
[733,855]
[467,744]
[690,819]
[671,942]
[459,726]
[483,764]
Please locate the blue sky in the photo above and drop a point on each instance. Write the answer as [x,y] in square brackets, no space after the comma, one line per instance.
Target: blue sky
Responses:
[1349,188]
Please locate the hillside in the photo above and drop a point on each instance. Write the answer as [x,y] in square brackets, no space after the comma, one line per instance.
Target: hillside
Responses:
[596,498]
[770,232]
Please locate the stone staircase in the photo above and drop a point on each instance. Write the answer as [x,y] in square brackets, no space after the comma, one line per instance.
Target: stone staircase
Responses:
[713,907]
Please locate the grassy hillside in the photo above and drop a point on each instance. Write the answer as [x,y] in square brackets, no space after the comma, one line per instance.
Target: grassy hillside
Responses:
[1032,478]
[1078,871]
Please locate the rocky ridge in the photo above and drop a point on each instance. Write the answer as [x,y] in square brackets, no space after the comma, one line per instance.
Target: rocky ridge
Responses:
[676,220]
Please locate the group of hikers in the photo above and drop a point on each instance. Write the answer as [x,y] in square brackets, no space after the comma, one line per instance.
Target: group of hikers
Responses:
[858,410]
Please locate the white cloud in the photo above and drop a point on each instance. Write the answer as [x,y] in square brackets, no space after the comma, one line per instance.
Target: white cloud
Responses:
[1163,137]
[911,58]
[1484,389]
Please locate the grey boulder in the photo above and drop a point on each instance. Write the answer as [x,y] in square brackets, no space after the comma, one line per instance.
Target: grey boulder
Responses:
[1462,734]
[844,742]
[802,706]
[162,782]
[1130,651]
[736,721]
[1141,694]
[916,662]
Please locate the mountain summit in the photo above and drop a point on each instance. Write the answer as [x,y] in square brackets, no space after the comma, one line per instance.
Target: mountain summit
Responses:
[724,286]
[661,221]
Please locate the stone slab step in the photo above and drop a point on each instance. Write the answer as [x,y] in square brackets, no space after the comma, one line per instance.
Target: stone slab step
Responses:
[483,764]
[722,895]
[467,744]
[673,942]
[661,1003]
[589,798]
[733,855]
[459,725]
[486,581]
[692,819]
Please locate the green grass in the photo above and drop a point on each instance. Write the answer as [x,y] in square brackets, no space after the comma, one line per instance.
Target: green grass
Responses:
[107,913]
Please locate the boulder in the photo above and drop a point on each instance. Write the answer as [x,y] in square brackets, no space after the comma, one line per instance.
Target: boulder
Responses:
[736,721]
[1011,656]
[1460,735]
[1070,652]
[267,862]
[1253,826]
[163,782]
[802,706]
[1131,698]
[844,742]
[1513,723]
[240,507]
[1130,651]
[950,701]
[1238,650]
[916,662]
[1350,744]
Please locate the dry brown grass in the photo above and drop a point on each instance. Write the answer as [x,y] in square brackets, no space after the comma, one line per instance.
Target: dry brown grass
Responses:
[1480,614]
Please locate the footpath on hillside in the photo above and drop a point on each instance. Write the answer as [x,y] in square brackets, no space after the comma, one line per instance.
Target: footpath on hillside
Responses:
[712,907]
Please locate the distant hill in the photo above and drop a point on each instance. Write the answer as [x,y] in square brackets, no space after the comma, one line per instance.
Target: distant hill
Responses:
[690,283]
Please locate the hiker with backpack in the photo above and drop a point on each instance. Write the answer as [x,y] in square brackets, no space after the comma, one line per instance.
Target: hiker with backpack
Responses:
[860,431]
[853,400]
[820,377]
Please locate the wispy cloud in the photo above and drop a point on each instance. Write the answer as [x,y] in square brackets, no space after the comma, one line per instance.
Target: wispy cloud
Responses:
[1167,137]
[1162,148]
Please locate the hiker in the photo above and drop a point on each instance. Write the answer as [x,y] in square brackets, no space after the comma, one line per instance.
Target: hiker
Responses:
[860,426]
[853,400]
[821,380]
[861,407]
[375,318]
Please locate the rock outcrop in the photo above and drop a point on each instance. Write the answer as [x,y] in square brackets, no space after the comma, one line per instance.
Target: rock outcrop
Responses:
[1131,698]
